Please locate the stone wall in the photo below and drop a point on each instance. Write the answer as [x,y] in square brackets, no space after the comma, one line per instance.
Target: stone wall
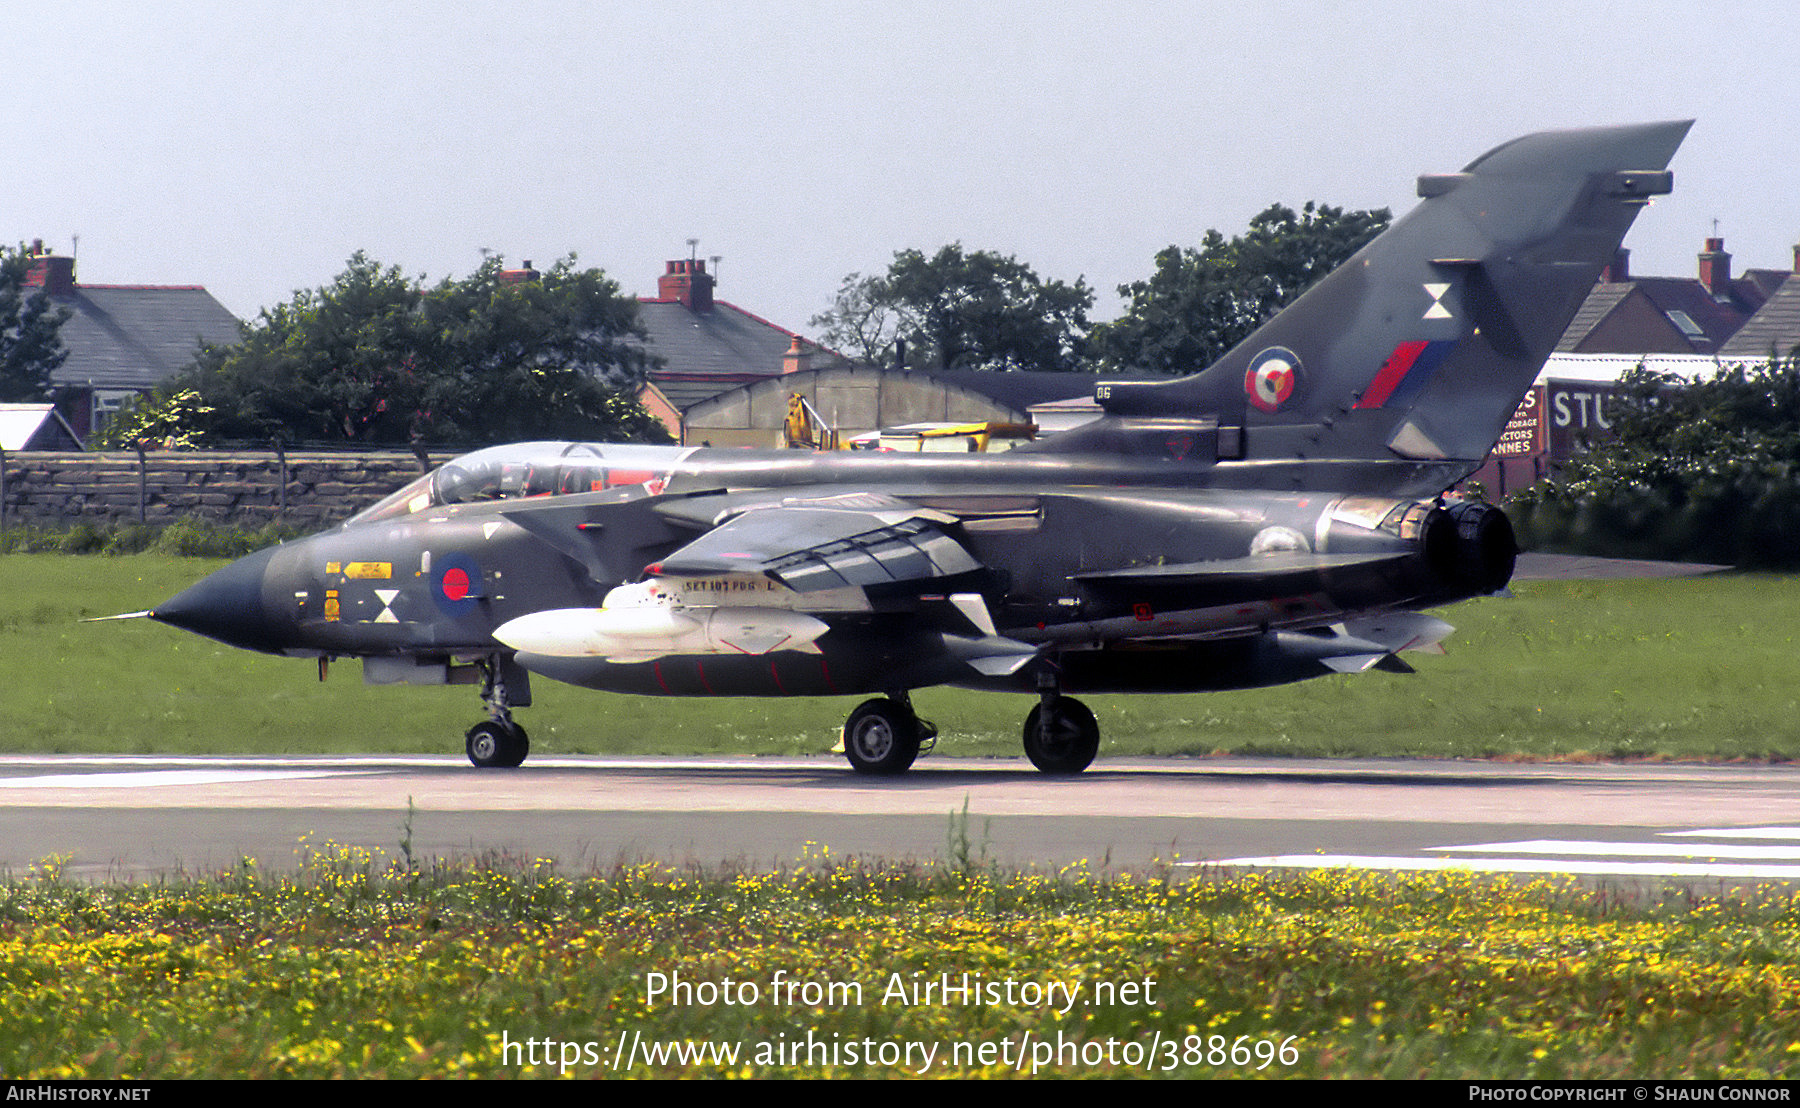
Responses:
[250,488]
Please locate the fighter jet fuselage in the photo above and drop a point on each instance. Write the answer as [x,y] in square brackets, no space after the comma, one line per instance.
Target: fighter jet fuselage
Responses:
[1277,516]
[1070,568]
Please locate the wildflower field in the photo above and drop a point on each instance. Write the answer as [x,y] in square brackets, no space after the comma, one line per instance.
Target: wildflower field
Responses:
[838,967]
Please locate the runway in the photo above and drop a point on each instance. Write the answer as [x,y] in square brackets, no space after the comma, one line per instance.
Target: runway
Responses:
[139,816]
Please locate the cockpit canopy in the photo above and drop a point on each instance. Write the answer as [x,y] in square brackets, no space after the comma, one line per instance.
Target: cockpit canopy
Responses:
[529,469]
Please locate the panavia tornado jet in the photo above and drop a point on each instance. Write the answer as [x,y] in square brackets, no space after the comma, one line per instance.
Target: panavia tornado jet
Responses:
[1278,516]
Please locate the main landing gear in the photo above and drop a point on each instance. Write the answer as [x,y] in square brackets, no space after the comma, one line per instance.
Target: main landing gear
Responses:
[1061,734]
[883,736]
[499,742]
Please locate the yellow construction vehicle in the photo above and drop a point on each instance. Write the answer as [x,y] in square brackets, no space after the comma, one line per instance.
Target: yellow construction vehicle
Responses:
[805,428]
[951,438]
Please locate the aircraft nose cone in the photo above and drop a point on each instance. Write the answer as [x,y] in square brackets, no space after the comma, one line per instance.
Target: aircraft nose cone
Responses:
[227,606]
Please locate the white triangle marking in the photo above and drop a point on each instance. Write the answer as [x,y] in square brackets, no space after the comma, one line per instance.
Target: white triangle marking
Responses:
[1436,292]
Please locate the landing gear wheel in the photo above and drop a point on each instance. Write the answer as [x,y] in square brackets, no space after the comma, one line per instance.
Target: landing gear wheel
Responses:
[1061,736]
[495,745]
[881,737]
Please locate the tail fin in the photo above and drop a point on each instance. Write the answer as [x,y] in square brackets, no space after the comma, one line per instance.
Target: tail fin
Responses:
[1417,350]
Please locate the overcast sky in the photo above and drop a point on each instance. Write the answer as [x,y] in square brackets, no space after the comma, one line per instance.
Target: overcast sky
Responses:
[252,147]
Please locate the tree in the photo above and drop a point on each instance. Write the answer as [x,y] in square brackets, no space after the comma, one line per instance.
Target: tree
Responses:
[30,343]
[165,417]
[1202,301]
[378,358]
[862,322]
[958,310]
[1704,471]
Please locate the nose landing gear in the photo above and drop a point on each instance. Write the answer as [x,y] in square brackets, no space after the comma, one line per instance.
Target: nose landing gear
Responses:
[499,743]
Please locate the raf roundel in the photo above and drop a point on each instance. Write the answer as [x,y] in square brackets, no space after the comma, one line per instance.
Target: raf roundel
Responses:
[1273,378]
[458,581]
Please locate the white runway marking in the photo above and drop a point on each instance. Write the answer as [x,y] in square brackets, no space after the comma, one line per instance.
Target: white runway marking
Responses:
[1699,859]
[1581,848]
[1581,867]
[145,779]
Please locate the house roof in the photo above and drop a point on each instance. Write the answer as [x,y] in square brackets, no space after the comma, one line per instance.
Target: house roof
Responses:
[723,347]
[1767,281]
[1717,317]
[726,339]
[1600,302]
[135,336]
[1678,315]
[1661,315]
[1774,327]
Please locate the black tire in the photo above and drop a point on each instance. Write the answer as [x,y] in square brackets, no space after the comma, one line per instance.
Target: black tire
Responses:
[1065,743]
[881,738]
[494,745]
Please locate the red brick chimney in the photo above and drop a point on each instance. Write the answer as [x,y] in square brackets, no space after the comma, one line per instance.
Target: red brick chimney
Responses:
[51,272]
[796,358]
[688,282]
[1715,268]
[1620,269]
